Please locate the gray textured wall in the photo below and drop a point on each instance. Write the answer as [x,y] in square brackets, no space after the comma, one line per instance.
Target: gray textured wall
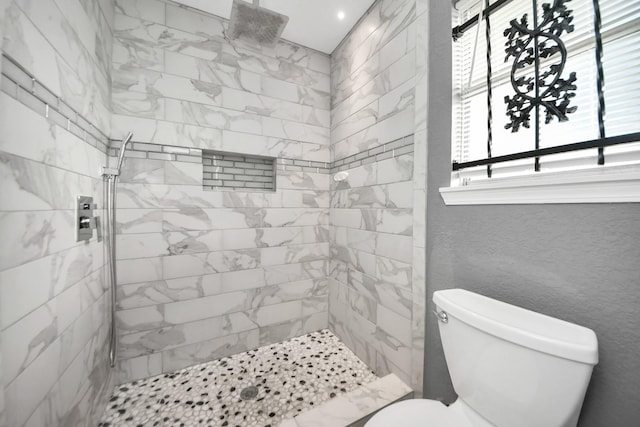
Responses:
[580,263]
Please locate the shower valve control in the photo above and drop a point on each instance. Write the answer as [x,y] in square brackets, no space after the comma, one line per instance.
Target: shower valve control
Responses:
[85,221]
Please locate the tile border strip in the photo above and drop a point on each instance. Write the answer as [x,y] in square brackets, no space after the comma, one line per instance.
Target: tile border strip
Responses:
[19,84]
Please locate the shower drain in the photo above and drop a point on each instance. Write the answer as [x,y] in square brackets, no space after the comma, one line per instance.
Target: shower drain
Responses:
[249,393]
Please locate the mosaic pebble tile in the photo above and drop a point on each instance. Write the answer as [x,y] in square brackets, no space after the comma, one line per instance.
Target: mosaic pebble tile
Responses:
[290,377]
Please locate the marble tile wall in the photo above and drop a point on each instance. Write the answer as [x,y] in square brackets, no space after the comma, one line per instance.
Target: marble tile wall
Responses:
[372,280]
[53,290]
[203,273]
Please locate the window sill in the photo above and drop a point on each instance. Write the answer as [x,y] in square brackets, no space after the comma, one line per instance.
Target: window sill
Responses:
[601,185]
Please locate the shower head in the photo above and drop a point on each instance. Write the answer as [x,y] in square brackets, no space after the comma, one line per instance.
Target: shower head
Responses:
[123,148]
[256,24]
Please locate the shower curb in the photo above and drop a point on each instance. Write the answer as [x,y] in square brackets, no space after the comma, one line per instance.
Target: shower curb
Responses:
[353,409]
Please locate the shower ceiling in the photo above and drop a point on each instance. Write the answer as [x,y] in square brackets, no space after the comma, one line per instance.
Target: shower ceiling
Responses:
[312,23]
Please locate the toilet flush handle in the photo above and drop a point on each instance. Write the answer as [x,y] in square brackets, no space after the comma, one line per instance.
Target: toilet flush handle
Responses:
[441,315]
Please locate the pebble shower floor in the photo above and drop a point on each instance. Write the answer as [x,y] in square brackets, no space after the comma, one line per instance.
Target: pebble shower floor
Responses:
[290,377]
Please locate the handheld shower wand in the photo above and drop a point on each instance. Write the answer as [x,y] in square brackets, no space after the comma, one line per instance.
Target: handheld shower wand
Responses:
[111,176]
[123,148]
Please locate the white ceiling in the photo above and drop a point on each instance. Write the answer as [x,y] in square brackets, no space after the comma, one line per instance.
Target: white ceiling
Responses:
[312,23]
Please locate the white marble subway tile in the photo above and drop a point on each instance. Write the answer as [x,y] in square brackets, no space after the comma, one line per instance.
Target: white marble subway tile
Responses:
[32,185]
[396,47]
[231,281]
[138,368]
[315,322]
[262,105]
[22,38]
[145,245]
[195,22]
[205,307]
[315,98]
[185,242]
[374,196]
[393,271]
[234,142]
[138,221]
[295,272]
[301,180]
[27,390]
[290,217]
[129,78]
[394,350]
[418,281]
[206,351]
[140,319]
[362,119]
[316,116]
[280,332]
[316,152]
[74,154]
[211,72]
[146,196]
[142,171]
[390,129]
[397,298]
[284,292]
[293,253]
[35,142]
[360,240]
[350,83]
[148,105]
[394,246]
[148,10]
[316,304]
[164,291]
[33,334]
[241,199]
[76,50]
[306,58]
[136,53]
[236,53]
[141,343]
[286,129]
[160,36]
[396,100]
[182,173]
[277,313]
[359,99]
[399,195]
[198,219]
[352,218]
[139,270]
[305,198]
[362,304]
[393,324]
[210,116]
[144,129]
[35,233]
[397,221]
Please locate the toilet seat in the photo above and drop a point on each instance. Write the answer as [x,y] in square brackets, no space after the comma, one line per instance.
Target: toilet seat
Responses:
[423,413]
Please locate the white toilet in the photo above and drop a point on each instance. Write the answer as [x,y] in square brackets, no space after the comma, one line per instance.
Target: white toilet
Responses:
[510,367]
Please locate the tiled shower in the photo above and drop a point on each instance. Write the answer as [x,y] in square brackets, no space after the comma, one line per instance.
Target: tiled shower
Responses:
[212,262]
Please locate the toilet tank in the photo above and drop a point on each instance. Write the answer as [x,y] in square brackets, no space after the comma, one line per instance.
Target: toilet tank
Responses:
[514,367]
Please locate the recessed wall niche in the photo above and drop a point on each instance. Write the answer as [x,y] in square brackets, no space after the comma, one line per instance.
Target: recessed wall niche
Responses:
[231,171]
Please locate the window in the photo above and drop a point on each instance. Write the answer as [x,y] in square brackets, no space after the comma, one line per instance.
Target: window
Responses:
[559,103]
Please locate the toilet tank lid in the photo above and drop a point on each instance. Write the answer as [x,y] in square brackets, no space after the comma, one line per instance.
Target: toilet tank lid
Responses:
[520,326]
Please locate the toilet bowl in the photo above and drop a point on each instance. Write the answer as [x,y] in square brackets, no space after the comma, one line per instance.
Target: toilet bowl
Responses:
[509,366]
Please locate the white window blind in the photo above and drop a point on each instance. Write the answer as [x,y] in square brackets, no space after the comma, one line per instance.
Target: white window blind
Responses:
[620,35]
